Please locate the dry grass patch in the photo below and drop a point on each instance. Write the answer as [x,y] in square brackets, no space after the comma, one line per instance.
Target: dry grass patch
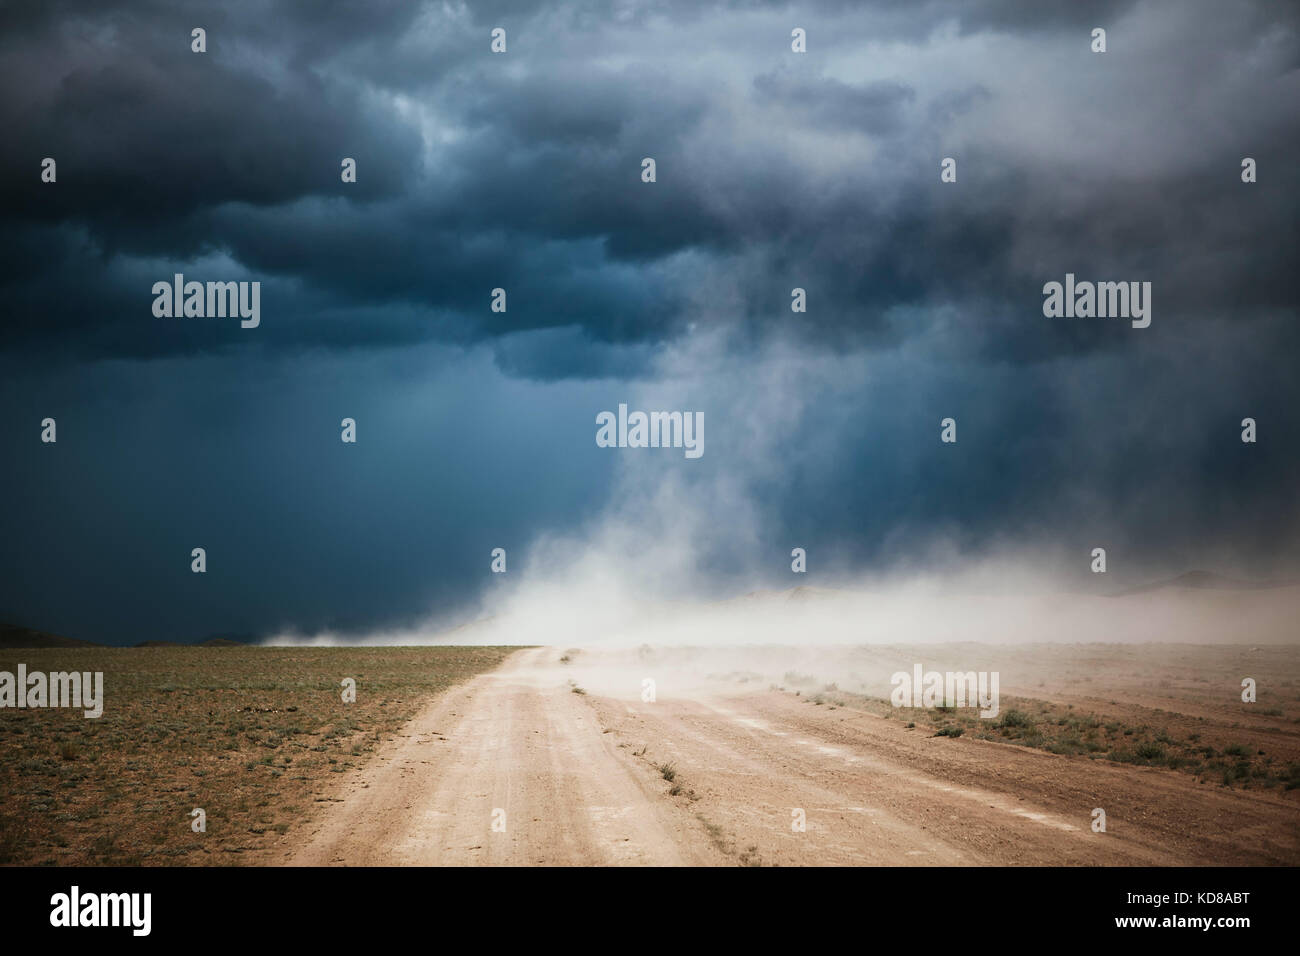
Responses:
[249,734]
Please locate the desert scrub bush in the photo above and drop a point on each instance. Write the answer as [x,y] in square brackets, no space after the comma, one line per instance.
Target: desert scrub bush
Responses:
[1016,720]
[1150,751]
[1068,744]
[1239,771]
[950,732]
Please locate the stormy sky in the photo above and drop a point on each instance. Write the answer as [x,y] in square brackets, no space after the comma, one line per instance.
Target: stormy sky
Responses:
[522,170]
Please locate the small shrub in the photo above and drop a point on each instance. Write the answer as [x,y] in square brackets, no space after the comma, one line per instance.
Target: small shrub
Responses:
[1150,751]
[1015,718]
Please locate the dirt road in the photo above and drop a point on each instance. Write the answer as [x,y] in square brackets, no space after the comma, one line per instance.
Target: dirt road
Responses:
[516,768]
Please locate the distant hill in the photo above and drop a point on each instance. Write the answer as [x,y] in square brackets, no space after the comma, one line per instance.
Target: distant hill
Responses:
[24,637]
[13,637]
[1205,580]
[801,592]
[210,642]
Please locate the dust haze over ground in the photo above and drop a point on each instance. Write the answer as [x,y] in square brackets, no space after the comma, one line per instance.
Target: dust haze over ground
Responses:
[1193,608]
[685,552]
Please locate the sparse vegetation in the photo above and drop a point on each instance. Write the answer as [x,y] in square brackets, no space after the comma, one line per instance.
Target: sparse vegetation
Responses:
[716,834]
[1062,729]
[249,733]
[1150,752]
[1014,719]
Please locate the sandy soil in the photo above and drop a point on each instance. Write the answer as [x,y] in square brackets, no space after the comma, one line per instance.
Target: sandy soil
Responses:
[578,776]
[504,741]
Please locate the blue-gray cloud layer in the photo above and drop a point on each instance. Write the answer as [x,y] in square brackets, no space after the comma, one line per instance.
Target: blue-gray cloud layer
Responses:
[522,171]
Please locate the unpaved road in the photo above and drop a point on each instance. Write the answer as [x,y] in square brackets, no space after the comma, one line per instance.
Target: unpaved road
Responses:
[514,768]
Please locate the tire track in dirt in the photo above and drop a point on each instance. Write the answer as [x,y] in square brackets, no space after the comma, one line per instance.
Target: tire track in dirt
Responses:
[503,741]
[580,782]
[752,759]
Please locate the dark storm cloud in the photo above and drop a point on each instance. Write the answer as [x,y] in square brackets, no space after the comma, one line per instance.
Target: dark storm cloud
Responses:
[775,170]
[875,109]
[523,171]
